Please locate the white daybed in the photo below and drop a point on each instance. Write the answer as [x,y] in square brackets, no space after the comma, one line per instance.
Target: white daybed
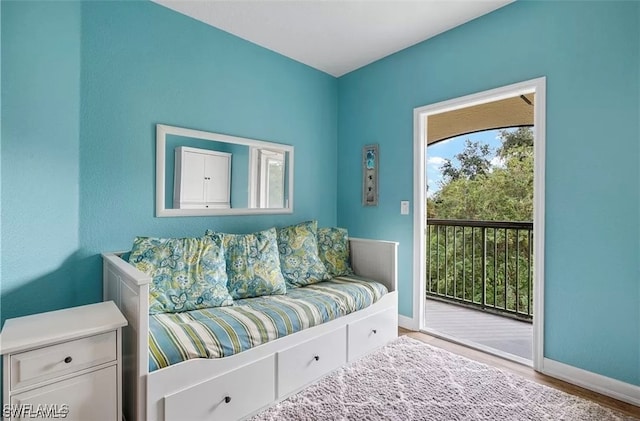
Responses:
[241,385]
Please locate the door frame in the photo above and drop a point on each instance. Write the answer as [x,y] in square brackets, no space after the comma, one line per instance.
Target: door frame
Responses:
[420,114]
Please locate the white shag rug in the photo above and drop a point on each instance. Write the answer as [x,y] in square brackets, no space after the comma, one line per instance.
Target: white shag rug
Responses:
[410,380]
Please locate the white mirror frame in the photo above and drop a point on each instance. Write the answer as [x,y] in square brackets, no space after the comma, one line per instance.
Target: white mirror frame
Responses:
[162,130]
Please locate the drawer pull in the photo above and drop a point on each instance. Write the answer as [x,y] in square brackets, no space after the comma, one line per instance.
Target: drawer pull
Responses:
[316,357]
[375,331]
[68,360]
[227,399]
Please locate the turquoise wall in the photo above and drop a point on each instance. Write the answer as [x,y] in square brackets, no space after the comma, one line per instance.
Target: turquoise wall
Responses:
[83,86]
[590,54]
[40,157]
[144,64]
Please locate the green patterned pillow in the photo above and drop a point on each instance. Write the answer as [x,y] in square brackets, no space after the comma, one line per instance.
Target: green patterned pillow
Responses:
[333,249]
[187,273]
[253,265]
[299,259]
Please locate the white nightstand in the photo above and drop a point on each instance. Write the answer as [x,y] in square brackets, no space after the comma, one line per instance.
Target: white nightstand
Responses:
[64,362]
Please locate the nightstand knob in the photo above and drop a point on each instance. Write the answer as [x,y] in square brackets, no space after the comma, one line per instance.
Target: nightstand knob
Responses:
[227,399]
[68,360]
[316,357]
[374,331]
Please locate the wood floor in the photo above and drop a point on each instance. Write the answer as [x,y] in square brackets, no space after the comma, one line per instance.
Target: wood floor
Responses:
[524,371]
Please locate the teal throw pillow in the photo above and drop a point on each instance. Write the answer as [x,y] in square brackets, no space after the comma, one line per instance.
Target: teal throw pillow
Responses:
[253,264]
[333,249]
[299,259]
[187,273]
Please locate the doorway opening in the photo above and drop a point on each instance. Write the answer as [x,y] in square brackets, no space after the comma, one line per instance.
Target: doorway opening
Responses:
[479,199]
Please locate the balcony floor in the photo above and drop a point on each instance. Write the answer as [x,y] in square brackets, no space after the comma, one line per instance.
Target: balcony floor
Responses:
[469,325]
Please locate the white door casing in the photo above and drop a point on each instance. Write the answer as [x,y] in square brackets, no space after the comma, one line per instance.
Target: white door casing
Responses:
[420,114]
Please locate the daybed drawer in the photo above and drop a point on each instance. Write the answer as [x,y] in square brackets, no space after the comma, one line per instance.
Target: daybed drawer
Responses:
[303,363]
[230,396]
[372,332]
[41,364]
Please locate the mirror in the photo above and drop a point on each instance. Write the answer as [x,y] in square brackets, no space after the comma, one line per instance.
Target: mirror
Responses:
[202,173]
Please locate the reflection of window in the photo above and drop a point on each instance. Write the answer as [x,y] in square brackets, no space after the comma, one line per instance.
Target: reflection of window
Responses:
[267,178]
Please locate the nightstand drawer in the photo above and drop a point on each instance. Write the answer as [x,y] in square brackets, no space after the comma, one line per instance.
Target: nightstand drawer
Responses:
[89,396]
[52,361]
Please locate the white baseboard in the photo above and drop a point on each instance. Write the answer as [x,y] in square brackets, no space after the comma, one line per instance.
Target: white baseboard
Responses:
[617,389]
[407,322]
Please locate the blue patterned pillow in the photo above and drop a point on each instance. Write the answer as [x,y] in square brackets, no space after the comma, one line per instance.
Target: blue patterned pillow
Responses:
[299,259]
[187,273]
[253,264]
[333,249]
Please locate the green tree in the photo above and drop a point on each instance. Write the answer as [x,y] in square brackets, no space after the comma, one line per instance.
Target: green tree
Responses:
[521,137]
[474,161]
[431,208]
[480,188]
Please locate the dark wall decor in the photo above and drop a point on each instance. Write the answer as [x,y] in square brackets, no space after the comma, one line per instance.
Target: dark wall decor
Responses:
[370,163]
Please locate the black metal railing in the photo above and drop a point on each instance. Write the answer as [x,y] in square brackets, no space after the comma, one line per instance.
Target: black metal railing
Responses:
[484,264]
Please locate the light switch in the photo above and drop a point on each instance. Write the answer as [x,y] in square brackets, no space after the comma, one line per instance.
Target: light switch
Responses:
[404,207]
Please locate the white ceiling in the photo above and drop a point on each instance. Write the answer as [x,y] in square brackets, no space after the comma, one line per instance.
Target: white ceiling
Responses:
[334,36]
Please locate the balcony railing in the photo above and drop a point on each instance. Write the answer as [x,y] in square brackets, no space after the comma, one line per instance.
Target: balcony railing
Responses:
[483,264]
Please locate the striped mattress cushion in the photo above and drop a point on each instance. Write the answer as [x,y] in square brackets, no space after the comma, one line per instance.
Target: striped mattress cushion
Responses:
[224,331]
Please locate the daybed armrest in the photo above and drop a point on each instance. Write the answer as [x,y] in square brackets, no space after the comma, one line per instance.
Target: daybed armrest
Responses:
[129,289]
[375,259]
[115,260]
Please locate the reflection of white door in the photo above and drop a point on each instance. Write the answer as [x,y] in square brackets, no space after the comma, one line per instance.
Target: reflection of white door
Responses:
[267,171]
[202,179]
[271,179]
